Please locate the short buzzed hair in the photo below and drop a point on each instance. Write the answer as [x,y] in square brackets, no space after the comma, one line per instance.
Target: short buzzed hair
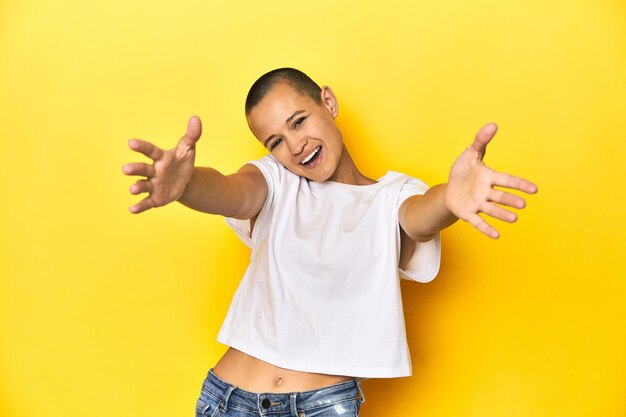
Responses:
[296,78]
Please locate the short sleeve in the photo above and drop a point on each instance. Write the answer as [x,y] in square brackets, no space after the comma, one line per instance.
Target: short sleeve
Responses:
[272,171]
[423,263]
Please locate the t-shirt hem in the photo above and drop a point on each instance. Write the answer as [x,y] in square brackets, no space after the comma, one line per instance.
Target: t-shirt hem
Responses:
[361,372]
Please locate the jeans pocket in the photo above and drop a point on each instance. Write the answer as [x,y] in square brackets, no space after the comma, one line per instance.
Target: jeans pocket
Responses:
[206,406]
[357,407]
[349,408]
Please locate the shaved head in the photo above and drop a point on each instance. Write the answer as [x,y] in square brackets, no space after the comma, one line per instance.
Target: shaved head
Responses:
[297,79]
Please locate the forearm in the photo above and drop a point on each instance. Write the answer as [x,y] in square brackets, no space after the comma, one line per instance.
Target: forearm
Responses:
[423,216]
[209,191]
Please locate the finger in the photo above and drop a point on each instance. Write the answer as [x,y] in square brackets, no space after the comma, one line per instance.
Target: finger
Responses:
[146,148]
[483,137]
[139,168]
[141,186]
[476,221]
[498,212]
[511,181]
[194,130]
[508,199]
[142,206]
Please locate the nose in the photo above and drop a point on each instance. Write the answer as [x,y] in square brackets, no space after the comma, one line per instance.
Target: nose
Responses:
[297,145]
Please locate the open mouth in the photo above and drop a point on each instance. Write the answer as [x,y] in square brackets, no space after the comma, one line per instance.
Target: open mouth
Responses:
[312,157]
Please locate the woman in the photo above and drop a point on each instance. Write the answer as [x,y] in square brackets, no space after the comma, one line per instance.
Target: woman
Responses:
[319,307]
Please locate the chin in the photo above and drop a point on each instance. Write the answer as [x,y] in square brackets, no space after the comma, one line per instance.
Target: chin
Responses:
[310,176]
[320,173]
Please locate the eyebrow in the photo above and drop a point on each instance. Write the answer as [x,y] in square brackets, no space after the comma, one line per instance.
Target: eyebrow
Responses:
[297,112]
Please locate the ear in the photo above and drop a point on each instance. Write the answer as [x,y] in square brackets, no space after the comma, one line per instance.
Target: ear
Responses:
[329,101]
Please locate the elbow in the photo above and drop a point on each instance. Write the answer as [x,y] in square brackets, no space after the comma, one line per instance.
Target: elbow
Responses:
[421,237]
[425,238]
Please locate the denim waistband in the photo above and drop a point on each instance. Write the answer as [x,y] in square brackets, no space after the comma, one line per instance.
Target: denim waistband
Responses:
[269,402]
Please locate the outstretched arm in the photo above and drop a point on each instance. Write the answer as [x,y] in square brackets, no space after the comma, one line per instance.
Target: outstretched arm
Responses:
[173,177]
[469,191]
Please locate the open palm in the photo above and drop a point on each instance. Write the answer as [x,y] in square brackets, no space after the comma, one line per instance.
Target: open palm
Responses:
[471,189]
[170,172]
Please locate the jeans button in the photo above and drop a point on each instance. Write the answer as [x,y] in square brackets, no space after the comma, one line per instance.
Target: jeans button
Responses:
[265,403]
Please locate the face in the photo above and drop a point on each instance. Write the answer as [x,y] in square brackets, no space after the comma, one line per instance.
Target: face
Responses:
[300,133]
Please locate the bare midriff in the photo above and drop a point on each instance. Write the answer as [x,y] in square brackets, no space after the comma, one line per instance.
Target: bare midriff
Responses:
[254,375]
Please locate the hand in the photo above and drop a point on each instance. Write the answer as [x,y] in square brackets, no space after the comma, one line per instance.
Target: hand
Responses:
[168,175]
[470,187]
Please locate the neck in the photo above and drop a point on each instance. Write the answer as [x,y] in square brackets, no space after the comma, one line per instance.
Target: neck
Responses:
[347,172]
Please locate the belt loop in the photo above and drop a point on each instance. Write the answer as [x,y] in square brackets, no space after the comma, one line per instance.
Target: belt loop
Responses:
[229,391]
[294,409]
[358,384]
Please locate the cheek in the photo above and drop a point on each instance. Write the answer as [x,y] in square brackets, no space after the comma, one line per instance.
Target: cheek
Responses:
[325,133]
[334,137]
[282,155]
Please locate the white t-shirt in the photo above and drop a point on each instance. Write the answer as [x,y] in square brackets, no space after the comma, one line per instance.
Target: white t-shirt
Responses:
[322,291]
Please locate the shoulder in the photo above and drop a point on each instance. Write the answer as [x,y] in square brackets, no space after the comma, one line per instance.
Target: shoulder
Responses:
[273,171]
[406,185]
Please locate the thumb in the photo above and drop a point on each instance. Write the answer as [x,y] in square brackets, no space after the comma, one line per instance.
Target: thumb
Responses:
[194,130]
[483,137]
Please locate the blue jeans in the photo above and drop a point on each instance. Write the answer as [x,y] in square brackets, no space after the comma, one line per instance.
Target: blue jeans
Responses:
[219,398]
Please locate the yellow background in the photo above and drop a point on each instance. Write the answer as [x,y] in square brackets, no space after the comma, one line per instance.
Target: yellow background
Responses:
[105,313]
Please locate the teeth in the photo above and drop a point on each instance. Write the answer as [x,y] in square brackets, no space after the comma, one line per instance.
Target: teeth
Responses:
[311,155]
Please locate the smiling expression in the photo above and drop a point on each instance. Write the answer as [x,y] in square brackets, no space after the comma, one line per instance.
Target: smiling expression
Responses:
[300,133]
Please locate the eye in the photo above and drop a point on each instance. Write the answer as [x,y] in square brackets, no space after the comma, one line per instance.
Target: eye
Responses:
[298,122]
[276,142]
